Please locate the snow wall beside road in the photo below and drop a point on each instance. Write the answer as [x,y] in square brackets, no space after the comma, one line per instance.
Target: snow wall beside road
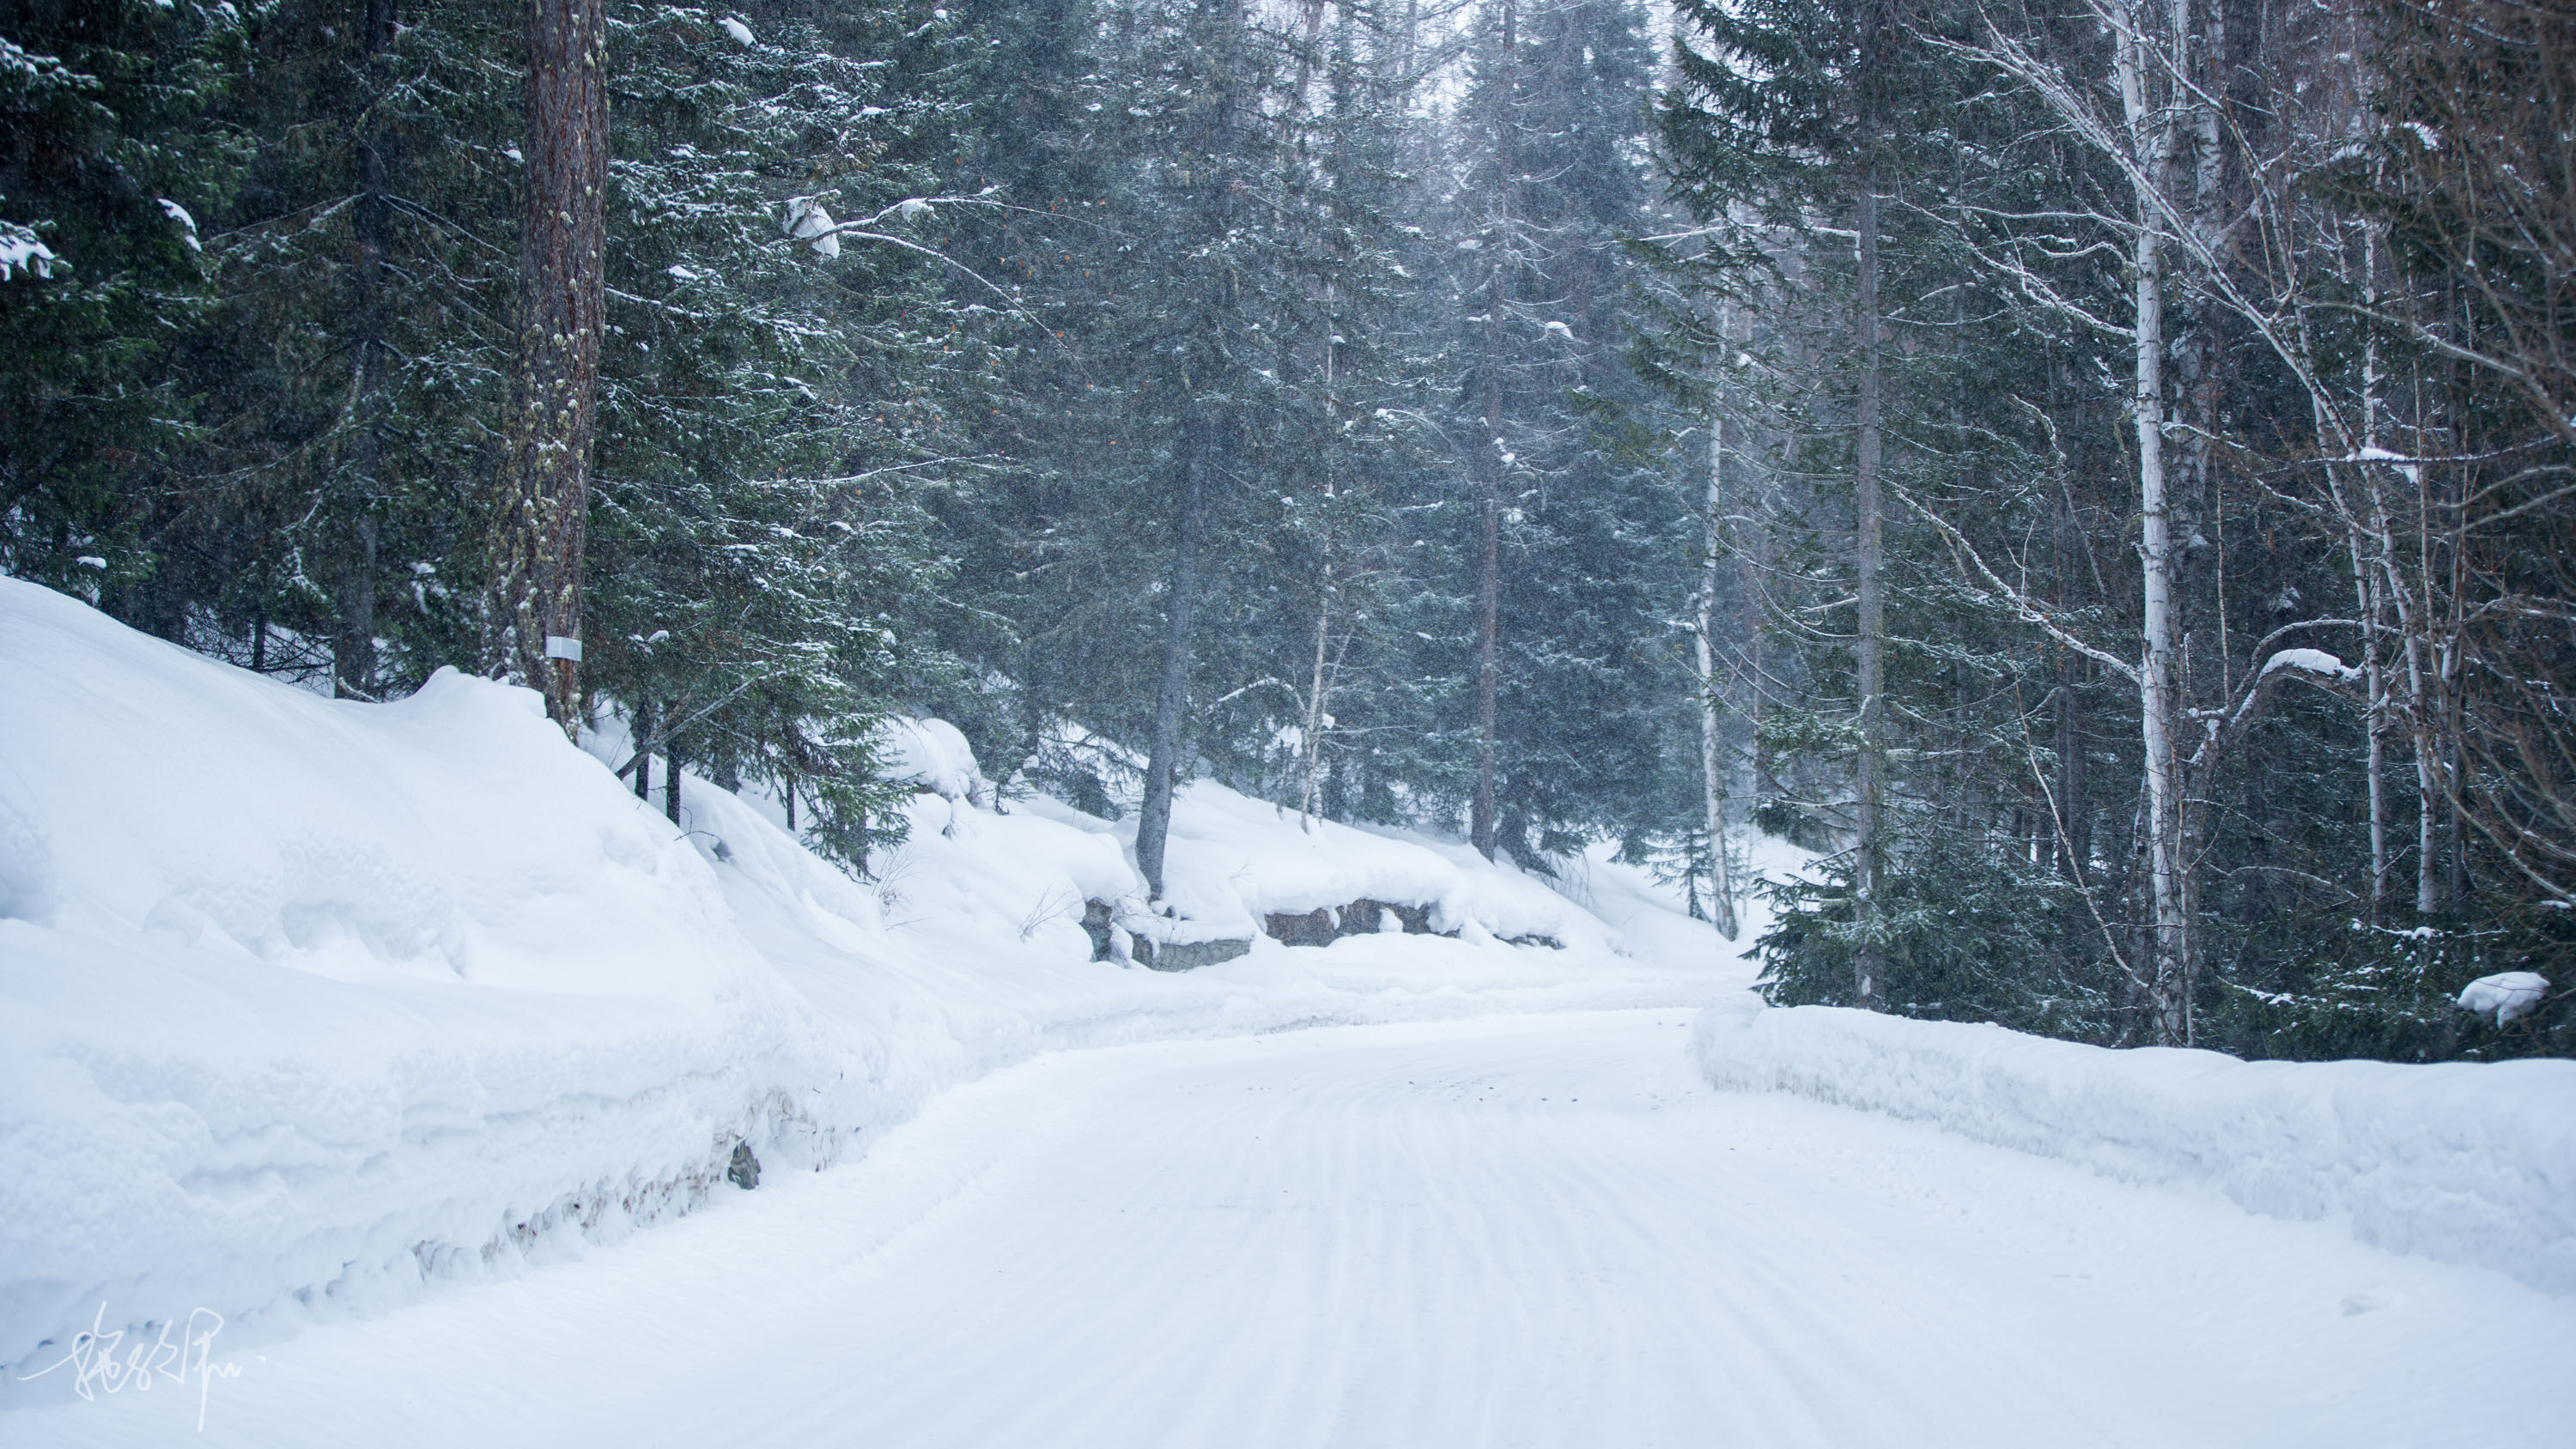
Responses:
[2463,1162]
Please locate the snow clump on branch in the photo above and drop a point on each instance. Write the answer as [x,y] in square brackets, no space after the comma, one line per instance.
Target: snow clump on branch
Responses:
[2311,661]
[806,217]
[2507,996]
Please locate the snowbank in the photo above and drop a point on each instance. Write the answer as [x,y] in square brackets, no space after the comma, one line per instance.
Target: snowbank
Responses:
[305,1003]
[2467,1163]
[307,997]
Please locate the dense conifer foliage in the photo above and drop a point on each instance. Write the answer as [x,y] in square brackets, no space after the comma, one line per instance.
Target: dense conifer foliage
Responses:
[2099,473]
[2203,400]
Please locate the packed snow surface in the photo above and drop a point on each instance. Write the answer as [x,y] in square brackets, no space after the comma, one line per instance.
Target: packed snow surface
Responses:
[1532,1231]
[2470,1163]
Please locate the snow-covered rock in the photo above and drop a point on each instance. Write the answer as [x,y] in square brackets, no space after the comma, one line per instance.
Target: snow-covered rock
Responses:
[1232,861]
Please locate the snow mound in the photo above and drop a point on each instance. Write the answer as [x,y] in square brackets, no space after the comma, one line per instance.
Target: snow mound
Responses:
[2463,1162]
[932,754]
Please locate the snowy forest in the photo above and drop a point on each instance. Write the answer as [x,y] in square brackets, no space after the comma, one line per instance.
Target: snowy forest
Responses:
[2102,473]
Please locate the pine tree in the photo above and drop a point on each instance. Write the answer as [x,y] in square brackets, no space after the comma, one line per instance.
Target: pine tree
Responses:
[1578,553]
[107,166]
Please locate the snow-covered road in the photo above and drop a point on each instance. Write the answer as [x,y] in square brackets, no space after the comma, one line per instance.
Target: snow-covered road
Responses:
[1530,1231]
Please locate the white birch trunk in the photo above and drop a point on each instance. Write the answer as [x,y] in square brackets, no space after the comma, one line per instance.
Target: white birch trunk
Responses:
[1712,761]
[1310,746]
[2169,983]
[2374,678]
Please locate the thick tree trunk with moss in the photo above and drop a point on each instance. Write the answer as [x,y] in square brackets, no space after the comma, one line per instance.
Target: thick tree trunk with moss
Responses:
[541,488]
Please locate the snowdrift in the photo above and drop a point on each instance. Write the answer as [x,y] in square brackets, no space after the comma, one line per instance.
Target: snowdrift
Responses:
[307,997]
[304,1003]
[2468,1163]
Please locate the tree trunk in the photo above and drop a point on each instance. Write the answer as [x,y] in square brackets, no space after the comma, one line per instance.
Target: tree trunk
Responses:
[643,751]
[1489,458]
[353,655]
[1757,659]
[1172,701]
[1199,440]
[1712,758]
[1311,743]
[2074,814]
[2414,628]
[1310,28]
[1480,808]
[2170,979]
[1869,963]
[542,484]
[2375,705]
[2428,791]
[671,777]
[1311,746]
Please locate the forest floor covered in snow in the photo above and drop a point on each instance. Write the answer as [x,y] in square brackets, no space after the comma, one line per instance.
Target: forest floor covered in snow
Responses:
[379,1030]
[305,1004]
